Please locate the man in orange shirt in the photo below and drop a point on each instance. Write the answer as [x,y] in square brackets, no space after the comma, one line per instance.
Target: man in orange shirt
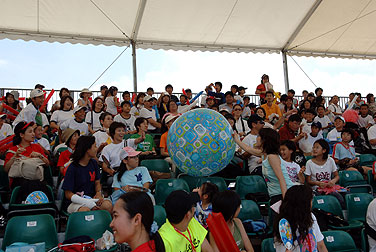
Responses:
[270,107]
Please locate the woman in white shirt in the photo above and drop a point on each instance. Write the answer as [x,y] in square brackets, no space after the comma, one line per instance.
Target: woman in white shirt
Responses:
[296,208]
[139,104]
[110,98]
[92,117]
[64,113]
[241,125]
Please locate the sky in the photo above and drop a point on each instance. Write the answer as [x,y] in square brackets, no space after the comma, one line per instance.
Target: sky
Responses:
[77,66]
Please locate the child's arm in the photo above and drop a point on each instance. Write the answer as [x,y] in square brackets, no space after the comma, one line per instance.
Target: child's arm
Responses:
[253,151]
[301,175]
[315,183]
[335,179]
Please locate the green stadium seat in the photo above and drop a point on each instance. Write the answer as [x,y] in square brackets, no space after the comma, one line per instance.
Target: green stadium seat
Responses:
[267,245]
[160,165]
[371,180]
[354,181]
[330,204]
[220,182]
[367,159]
[250,184]
[164,187]
[339,241]
[357,204]
[193,182]
[159,215]
[364,241]
[31,229]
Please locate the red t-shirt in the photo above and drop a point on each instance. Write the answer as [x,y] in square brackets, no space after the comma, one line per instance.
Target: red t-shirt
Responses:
[63,159]
[28,150]
[261,87]
[285,133]
[146,247]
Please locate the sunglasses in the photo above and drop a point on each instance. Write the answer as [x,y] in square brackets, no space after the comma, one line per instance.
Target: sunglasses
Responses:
[237,110]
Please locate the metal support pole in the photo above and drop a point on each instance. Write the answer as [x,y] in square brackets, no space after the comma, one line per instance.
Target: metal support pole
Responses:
[285,71]
[133,44]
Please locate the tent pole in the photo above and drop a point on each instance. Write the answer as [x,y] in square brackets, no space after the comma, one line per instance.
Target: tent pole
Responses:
[134,65]
[285,71]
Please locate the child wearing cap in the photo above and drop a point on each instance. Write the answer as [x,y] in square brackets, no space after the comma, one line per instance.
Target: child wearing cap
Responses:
[335,134]
[130,176]
[78,122]
[344,154]
[5,129]
[306,143]
[31,111]
[182,232]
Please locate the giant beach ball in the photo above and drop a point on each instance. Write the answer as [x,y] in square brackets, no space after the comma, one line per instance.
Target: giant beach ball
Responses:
[200,142]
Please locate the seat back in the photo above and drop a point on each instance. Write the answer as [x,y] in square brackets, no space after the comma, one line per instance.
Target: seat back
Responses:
[327,203]
[371,181]
[250,184]
[267,245]
[159,215]
[347,178]
[364,240]
[357,204]
[160,165]
[338,240]
[191,181]
[92,223]
[367,159]
[249,211]
[31,229]
[220,182]
[165,186]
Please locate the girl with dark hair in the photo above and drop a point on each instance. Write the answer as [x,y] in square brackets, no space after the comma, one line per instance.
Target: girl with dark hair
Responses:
[371,103]
[206,192]
[241,125]
[131,177]
[23,147]
[11,99]
[147,146]
[296,174]
[228,203]
[132,221]
[321,170]
[139,104]
[172,109]
[92,117]
[64,113]
[63,92]
[289,108]
[296,208]
[162,104]
[82,180]
[306,105]
[64,157]
[273,169]
[111,100]
[261,113]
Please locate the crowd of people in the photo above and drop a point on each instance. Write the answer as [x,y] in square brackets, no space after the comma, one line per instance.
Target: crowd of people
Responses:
[297,146]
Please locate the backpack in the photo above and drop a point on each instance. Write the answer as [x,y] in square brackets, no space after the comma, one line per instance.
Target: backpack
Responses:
[325,219]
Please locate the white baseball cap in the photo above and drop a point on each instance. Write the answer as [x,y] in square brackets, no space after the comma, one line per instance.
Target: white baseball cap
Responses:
[78,108]
[36,93]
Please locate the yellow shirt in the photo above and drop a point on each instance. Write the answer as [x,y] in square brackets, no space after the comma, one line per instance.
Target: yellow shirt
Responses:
[175,242]
[270,110]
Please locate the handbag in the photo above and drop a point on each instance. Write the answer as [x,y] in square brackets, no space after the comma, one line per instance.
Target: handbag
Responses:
[28,168]
[77,244]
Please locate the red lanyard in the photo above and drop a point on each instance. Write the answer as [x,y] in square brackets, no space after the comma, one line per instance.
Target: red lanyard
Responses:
[188,239]
[348,148]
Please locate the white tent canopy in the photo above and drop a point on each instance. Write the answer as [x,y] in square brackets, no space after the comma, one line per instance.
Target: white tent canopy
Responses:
[332,28]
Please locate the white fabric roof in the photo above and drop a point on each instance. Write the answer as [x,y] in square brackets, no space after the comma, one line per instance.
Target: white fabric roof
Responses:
[206,25]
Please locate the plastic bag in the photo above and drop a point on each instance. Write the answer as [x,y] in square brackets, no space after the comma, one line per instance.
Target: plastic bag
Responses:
[106,241]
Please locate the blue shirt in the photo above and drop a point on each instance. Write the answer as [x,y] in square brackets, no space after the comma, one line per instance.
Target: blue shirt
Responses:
[135,177]
[82,178]
[272,180]
[340,151]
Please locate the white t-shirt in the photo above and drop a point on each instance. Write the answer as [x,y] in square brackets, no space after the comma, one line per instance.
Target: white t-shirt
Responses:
[253,161]
[364,121]
[320,173]
[45,121]
[292,169]
[96,123]
[371,132]
[371,220]
[27,114]
[334,136]
[147,114]
[112,152]
[306,144]
[135,111]
[334,108]
[129,123]
[325,121]
[73,124]
[111,108]
[239,126]
[101,136]
[5,131]
[44,143]
[315,230]
[60,116]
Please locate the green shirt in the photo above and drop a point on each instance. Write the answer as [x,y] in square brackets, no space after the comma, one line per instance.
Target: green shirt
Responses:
[147,145]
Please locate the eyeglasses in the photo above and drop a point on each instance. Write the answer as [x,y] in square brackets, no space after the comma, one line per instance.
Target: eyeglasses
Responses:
[237,109]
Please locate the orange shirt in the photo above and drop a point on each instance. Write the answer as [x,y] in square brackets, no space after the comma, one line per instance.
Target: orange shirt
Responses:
[270,110]
[163,141]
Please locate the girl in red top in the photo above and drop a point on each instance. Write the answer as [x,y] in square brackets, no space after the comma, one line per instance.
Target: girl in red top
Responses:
[132,219]
[23,145]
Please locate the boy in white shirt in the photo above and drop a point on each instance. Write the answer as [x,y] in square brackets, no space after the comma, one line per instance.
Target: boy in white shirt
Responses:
[126,118]
[148,113]
[78,122]
[306,143]
[335,134]
[323,119]
[5,129]
[365,119]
